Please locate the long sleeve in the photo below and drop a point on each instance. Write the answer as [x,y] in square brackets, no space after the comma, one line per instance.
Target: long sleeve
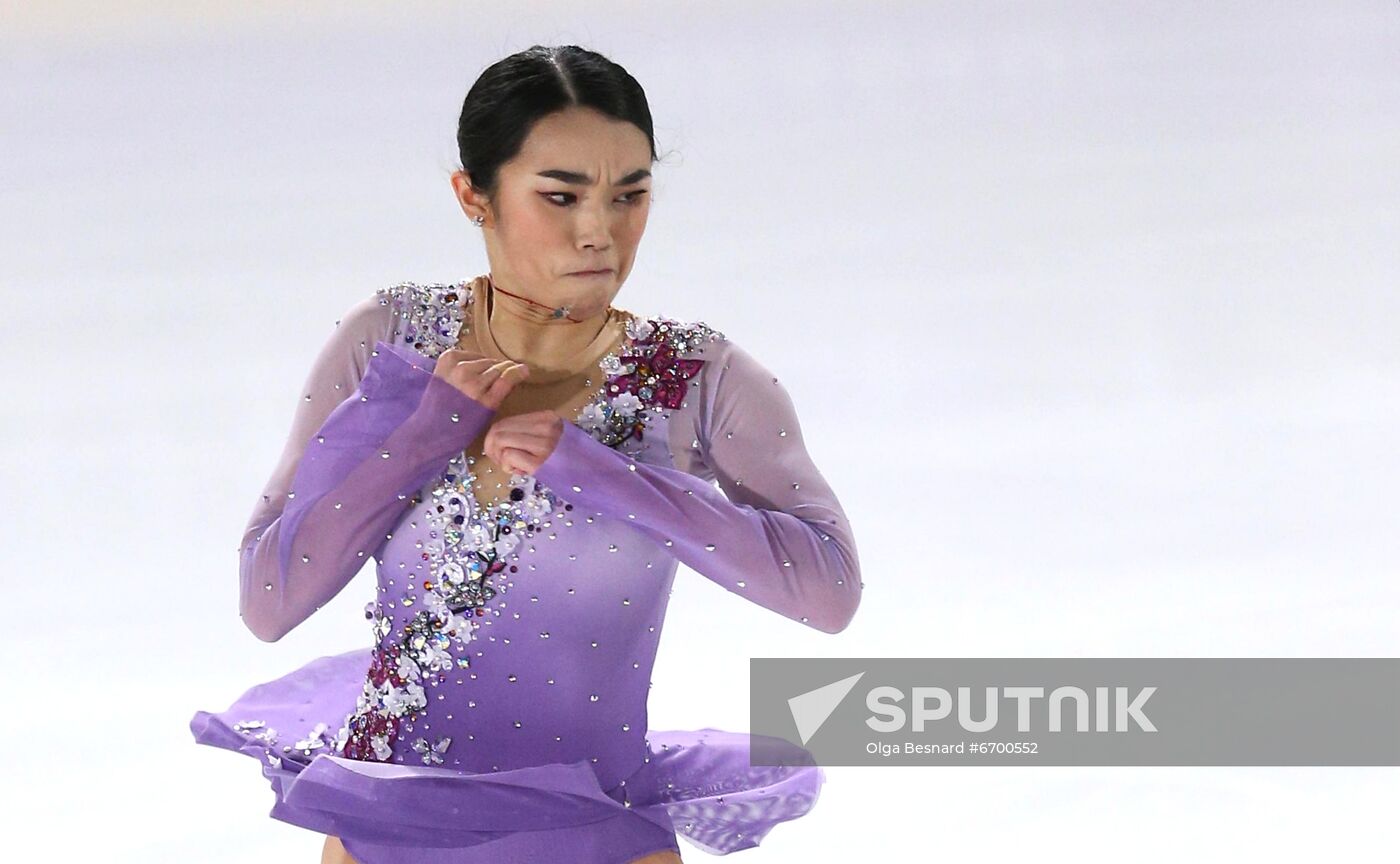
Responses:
[345,476]
[776,534]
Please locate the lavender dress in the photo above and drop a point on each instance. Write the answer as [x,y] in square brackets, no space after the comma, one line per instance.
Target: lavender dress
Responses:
[501,714]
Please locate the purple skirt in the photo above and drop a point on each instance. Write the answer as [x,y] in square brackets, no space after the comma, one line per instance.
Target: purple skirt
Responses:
[693,784]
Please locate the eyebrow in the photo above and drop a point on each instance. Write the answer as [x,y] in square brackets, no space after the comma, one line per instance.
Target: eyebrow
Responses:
[575,178]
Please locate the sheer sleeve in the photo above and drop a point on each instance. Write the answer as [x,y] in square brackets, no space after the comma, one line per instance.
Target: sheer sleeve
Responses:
[776,534]
[373,427]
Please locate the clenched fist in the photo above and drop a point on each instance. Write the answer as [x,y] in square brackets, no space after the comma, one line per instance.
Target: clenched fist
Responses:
[520,443]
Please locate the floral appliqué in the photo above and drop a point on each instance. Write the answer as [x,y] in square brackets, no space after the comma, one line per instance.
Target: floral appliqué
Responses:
[648,374]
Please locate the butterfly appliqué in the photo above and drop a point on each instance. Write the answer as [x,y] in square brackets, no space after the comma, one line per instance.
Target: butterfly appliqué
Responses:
[431,753]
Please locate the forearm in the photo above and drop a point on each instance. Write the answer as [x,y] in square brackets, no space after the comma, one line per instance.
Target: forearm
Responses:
[800,562]
[375,451]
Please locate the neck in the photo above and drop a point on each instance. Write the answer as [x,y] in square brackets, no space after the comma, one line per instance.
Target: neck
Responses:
[528,332]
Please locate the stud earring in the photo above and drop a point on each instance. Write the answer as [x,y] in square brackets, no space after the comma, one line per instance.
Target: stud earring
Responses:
[477,220]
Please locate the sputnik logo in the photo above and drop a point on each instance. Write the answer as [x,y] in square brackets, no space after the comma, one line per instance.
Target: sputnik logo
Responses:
[811,709]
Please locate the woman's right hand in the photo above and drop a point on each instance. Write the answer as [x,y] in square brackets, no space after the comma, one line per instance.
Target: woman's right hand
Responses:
[483,379]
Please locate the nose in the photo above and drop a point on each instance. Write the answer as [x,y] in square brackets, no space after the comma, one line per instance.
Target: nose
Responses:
[593,229]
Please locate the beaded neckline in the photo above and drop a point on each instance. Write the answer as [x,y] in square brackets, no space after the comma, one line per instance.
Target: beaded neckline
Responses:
[468,309]
[467,557]
[648,371]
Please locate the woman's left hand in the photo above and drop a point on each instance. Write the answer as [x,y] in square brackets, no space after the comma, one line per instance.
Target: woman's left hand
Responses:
[520,443]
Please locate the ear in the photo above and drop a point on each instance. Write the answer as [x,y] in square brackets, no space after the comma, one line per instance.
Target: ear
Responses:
[472,202]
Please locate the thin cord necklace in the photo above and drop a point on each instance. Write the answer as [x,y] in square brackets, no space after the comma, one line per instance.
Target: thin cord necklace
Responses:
[554,311]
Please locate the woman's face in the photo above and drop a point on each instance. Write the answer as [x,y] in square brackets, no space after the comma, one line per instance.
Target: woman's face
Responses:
[575,198]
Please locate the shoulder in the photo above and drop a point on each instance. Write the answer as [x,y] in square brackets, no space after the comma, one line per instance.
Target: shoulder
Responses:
[694,365]
[662,356]
[718,369]
[364,322]
[426,317]
[660,334]
[675,362]
[711,349]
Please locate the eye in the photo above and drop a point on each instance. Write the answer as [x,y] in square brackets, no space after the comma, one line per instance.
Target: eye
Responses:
[633,197]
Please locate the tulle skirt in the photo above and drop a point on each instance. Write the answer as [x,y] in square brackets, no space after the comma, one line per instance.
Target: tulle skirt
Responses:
[699,785]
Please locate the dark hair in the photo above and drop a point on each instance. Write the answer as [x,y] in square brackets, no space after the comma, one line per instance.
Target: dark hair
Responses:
[514,92]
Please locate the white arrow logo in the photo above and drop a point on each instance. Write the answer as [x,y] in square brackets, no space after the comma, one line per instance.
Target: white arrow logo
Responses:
[810,710]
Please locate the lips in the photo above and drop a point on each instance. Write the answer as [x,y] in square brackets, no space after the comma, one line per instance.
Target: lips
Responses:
[591,272]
